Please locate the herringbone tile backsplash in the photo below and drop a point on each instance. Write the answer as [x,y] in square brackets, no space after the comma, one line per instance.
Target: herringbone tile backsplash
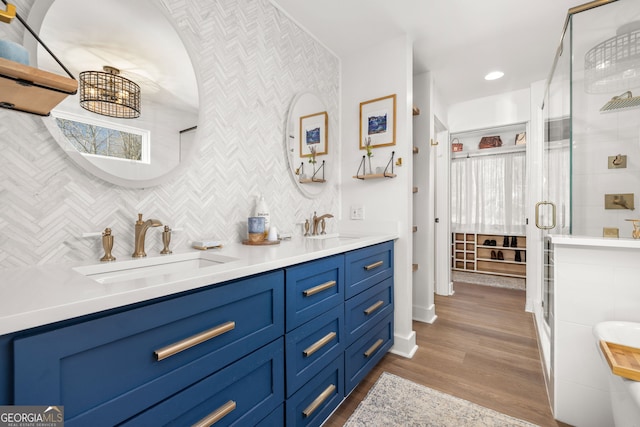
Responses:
[252,60]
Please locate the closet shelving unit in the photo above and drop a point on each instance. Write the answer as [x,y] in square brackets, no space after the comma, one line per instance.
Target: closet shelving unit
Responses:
[470,254]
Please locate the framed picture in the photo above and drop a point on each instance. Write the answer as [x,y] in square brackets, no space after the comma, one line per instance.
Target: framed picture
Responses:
[378,122]
[313,134]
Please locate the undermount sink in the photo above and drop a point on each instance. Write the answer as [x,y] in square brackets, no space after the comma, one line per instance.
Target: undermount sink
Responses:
[332,236]
[119,271]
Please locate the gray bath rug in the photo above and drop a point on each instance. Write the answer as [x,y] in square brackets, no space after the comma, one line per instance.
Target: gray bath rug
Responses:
[395,401]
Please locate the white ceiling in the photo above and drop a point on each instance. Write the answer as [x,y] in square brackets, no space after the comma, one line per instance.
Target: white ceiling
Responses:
[459,41]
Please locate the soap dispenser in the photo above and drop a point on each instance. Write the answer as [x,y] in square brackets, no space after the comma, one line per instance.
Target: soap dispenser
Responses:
[263,211]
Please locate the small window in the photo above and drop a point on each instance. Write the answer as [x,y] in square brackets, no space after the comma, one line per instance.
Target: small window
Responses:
[94,137]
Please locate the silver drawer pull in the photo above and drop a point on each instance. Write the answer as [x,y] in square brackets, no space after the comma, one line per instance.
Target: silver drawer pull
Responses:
[194,340]
[374,265]
[319,288]
[373,348]
[216,415]
[373,308]
[319,344]
[318,401]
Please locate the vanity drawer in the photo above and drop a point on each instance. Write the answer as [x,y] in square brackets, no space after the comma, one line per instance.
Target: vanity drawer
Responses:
[312,346]
[314,402]
[106,370]
[274,419]
[367,308]
[366,267]
[366,352]
[244,393]
[312,288]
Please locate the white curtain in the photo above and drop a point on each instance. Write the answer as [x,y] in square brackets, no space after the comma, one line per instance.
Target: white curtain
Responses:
[488,194]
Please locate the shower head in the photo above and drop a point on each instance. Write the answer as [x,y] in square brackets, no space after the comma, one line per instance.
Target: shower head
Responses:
[626,100]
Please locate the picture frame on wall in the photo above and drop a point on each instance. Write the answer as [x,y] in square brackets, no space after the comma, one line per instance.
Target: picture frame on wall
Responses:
[313,134]
[378,122]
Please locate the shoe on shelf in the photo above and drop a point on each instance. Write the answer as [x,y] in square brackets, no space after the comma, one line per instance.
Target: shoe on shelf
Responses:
[493,243]
[514,242]
[487,242]
[518,258]
[500,256]
[493,255]
[505,243]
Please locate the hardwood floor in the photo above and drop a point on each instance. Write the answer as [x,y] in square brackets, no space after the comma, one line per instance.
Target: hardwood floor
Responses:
[482,348]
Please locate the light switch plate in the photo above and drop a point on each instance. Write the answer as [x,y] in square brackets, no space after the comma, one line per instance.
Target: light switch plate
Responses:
[357,212]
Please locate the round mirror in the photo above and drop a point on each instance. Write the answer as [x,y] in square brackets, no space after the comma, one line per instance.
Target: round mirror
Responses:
[307,144]
[136,41]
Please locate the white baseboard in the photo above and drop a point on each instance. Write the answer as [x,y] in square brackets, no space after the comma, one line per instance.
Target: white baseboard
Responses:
[426,315]
[405,346]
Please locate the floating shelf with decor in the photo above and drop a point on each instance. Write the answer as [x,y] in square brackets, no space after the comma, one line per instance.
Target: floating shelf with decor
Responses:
[28,89]
[384,174]
[315,178]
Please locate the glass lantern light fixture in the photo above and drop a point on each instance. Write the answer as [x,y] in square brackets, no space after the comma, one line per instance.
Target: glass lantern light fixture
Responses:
[109,94]
[614,64]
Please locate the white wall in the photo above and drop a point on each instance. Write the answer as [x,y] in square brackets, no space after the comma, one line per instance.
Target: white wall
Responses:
[592,284]
[497,110]
[423,201]
[251,60]
[383,70]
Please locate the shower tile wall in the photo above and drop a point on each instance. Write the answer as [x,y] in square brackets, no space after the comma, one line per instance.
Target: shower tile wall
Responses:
[596,136]
[47,202]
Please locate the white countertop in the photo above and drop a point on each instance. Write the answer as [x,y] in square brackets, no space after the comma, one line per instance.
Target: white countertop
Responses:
[36,296]
[602,242]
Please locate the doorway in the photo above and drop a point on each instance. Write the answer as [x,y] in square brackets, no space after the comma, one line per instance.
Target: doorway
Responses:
[488,202]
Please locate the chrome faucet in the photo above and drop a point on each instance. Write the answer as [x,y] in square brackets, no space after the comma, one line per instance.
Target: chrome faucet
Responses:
[140,234]
[316,221]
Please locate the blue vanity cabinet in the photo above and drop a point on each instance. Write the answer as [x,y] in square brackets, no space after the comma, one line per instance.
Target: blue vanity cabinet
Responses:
[241,394]
[312,346]
[279,348]
[107,370]
[316,400]
[312,288]
[314,340]
[367,266]
[368,310]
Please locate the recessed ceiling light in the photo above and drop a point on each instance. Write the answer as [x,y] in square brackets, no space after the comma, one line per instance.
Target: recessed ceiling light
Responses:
[494,75]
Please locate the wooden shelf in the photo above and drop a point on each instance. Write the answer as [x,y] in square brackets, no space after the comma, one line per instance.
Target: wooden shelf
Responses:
[623,360]
[471,138]
[470,254]
[28,89]
[311,181]
[375,176]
